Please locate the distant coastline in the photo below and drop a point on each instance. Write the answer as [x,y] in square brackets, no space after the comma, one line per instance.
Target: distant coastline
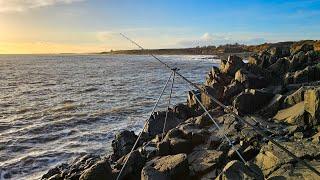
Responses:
[221,51]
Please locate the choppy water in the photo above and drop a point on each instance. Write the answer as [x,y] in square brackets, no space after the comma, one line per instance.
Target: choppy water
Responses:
[53,108]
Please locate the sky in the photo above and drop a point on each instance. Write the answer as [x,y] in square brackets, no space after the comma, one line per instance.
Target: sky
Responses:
[82,26]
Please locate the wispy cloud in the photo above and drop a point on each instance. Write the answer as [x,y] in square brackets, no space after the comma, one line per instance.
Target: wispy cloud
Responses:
[23,5]
[212,39]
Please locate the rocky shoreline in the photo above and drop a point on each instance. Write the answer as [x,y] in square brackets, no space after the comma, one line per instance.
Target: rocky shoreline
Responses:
[278,90]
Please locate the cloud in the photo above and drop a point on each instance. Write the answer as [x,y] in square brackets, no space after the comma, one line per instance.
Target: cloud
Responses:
[104,36]
[211,39]
[23,5]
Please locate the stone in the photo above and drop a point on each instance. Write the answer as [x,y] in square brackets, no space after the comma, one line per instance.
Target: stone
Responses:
[133,167]
[272,107]
[250,80]
[232,90]
[312,104]
[298,135]
[194,133]
[202,161]
[298,171]
[316,138]
[123,143]
[163,147]
[156,123]
[100,170]
[178,145]
[216,91]
[298,61]
[294,98]
[192,102]
[251,100]
[280,67]
[271,157]
[232,65]
[166,167]
[293,115]
[182,111]
[238,170]
[303,47]
[213,142]
[216,77]
[204,120]
[279,52]
[308,74]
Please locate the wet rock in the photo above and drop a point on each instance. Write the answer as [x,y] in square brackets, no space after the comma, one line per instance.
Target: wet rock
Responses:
[293,115]
[232,65]
[100,170]
[251,100]
[250,80]
[156,123]
[237,170]
[123,143]
[272,107]
[133,167]
[312,104]
[166,167]
[202,161]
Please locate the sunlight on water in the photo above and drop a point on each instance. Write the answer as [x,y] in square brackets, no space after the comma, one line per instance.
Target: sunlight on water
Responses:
[54,108]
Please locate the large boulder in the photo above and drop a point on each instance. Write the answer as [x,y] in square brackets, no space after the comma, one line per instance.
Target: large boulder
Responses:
[156,122]
[250,80]
[294,98]
[123,143]
[216,90]
[293,115]
[135,163]
[215,76]
[236,170]
[312,104]
[202,161]
[271,157]
[232,65]
[298,171]
[232,90]
[251,100]
[100,170]
[280,67]
[166,167]
[272,107]
[182,111]
[308,74]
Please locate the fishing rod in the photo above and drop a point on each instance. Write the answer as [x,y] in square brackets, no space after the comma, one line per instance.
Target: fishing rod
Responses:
[227,109]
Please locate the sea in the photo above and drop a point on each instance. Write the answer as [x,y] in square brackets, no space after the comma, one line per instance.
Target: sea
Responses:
[54,108]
